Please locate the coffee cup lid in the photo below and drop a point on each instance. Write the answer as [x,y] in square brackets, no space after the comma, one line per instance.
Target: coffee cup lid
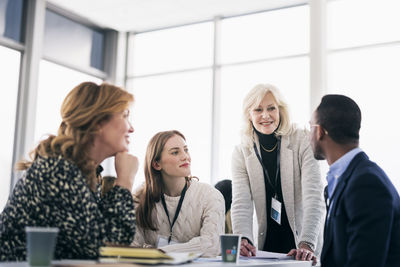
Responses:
[39,229]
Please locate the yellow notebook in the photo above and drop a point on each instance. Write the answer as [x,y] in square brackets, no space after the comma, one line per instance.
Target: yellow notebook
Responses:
[143,256]
[130,252]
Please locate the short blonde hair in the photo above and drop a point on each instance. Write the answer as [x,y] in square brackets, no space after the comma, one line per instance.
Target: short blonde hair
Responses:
[253,99]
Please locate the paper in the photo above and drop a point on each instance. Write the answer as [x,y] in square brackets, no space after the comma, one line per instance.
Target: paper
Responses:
[212,259]
[268,255]
[174,258]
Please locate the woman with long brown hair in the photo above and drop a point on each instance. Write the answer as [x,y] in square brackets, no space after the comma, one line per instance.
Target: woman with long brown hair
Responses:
[177,213]
[60,187]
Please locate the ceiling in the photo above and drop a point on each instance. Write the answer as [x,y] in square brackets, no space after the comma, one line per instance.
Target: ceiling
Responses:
[144,15]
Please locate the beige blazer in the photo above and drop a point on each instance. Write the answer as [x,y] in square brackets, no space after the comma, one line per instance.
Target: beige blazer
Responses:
[302,190]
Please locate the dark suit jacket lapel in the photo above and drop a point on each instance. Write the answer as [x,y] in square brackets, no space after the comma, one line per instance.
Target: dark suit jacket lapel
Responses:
[328,231]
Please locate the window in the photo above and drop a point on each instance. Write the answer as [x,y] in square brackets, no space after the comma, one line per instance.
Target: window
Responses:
[362,22]
[369,72]
[276,33]
[180,102]
[171,77]
[11,19]
[173,49]
[371,78]
[277,43]
[55,82]
[8,105]
[72,43]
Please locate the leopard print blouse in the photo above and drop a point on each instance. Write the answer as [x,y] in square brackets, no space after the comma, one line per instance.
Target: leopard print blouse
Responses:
[54,193]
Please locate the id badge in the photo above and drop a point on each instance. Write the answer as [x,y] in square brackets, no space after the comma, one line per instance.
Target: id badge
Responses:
[276,206]
[163,241]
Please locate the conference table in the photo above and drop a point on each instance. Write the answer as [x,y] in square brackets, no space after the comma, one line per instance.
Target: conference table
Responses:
[196,263]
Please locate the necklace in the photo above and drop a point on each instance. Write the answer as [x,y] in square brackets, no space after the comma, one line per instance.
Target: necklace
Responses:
[269,150]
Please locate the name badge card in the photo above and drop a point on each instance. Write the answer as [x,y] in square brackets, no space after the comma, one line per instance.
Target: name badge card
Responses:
[276,206]
[163,241]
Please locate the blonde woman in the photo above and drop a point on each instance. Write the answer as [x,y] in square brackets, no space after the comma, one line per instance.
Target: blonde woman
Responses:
[60,186]
[177,213]
[274,170]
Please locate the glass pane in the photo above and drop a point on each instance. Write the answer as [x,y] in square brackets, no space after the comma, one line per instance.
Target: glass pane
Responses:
[375,87]
[361,22]
[72,43]
[269,34]
[179,101]
[54,84]
[11,19]
[173,49]
[290,76]
[9,66]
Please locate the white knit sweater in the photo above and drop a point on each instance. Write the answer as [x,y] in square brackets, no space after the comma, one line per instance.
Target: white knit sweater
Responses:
[198,226]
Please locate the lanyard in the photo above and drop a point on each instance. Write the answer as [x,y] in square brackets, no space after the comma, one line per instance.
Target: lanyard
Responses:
[178,209]
[278,158]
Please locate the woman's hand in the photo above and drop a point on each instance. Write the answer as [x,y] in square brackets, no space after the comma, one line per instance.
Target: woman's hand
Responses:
[126,166]
[303,253]
[247,249]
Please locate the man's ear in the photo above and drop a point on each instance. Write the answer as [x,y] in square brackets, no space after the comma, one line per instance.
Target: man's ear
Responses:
[321,133]
[156,165]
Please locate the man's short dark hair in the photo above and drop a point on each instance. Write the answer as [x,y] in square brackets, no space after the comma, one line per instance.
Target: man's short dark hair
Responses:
[225,187]
[341,117]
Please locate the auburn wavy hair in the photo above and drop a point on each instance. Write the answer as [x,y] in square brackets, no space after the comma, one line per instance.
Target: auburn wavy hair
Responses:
[83,110]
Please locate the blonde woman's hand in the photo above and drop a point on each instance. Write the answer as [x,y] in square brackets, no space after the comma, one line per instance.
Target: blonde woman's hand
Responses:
[247,249]
[126,166]
[303,253]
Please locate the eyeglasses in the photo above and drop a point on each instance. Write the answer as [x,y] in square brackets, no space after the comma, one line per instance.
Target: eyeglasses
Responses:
[318,125]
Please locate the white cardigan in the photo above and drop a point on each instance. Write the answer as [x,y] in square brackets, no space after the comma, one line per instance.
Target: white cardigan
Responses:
[302,190]
[198,226]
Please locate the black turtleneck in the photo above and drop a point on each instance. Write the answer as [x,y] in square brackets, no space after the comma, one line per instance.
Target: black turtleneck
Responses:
[269,142]
[279,237]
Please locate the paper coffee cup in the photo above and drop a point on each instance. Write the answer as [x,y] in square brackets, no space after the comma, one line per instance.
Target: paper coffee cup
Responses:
[230,247]
[40,245]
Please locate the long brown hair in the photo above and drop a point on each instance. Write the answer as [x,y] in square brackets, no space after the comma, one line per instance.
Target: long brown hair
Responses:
[82,111]
[153,188]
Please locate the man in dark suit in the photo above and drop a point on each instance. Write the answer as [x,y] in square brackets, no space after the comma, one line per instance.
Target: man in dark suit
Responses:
[362,226]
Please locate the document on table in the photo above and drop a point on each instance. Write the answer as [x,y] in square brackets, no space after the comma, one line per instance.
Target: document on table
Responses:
[268,255]
[208,259]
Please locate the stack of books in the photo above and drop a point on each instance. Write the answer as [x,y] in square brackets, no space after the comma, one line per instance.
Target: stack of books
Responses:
[114,254]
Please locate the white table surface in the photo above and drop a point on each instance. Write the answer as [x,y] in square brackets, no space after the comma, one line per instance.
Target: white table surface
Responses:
[198,263]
